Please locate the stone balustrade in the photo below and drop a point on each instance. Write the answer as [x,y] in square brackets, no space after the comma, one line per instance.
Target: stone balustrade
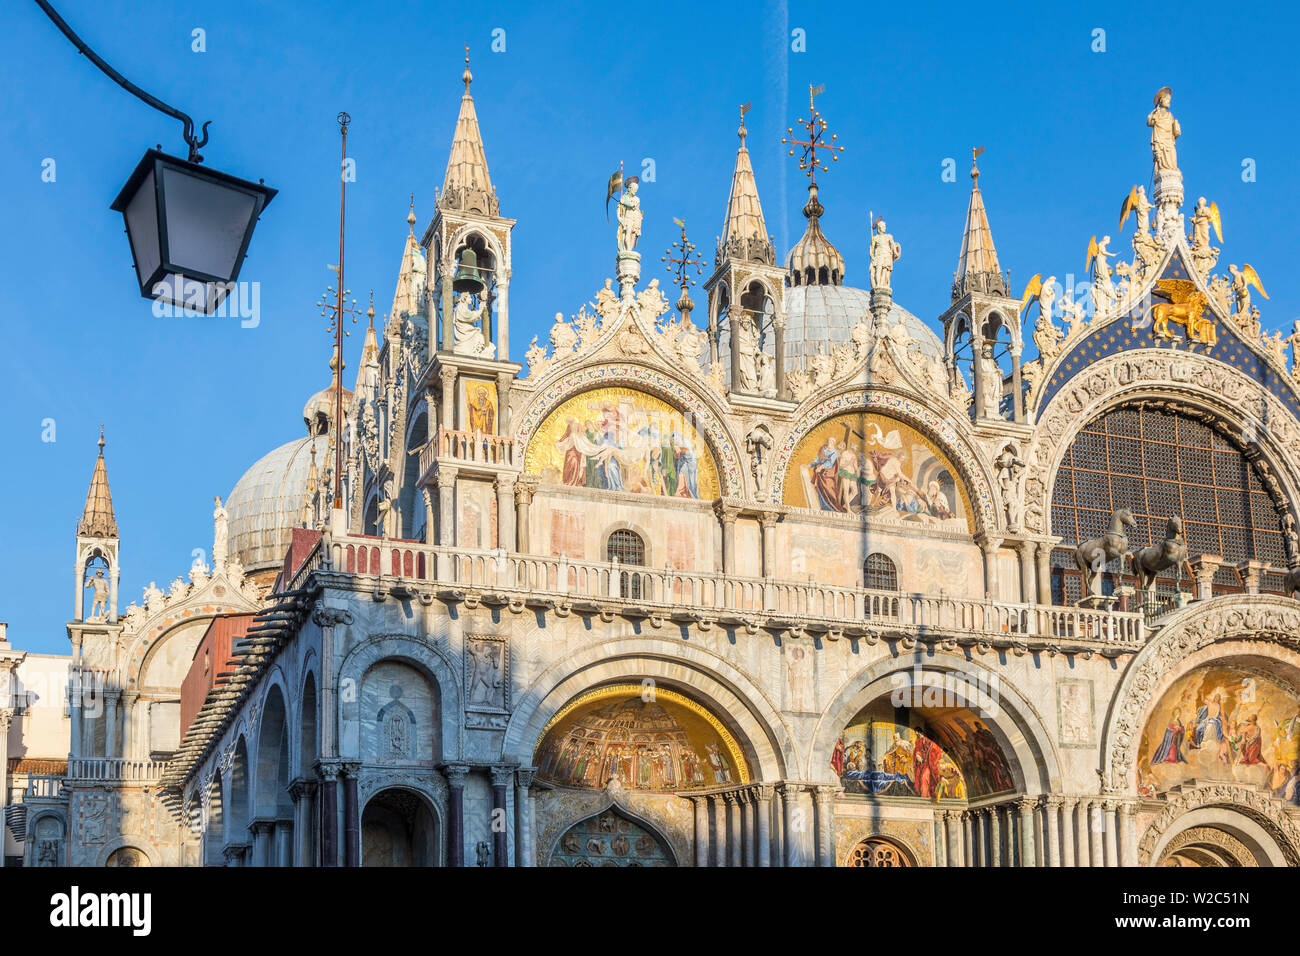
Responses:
[467,448]
[728,599]
[116,769]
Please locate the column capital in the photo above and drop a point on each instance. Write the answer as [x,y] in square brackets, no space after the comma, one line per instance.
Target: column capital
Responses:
[445,475]
[1026,805]
[350,768]
[524,777]
[727,511]
[234,853]
[505,482]
[328,770]
[455,773]
[502,776]
[731,798]
[764,792]
[6,717]
[525,488]
[1051,801]
[301,787]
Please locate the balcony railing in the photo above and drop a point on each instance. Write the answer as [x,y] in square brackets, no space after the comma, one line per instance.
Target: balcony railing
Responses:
[115,769]
[43,785]
[724,596]
[468,448]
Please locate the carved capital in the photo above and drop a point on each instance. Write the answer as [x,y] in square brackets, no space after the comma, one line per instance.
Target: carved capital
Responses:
[524,777]
[455,774]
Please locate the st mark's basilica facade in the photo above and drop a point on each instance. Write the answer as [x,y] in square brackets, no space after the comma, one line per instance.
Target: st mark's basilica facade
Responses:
[785,578]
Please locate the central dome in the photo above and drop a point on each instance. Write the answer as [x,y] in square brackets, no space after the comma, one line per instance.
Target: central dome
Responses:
[826,314]
[266,504]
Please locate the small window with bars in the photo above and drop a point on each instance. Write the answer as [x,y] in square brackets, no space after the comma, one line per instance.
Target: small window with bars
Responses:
[879,573]
[627,547]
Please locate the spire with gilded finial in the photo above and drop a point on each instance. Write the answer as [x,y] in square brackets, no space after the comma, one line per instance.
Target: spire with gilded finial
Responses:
[977,265]
[744,231]
[97,519]
[467,185]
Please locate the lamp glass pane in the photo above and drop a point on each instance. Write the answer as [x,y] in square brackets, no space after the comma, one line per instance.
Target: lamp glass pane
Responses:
[142,228]
[206,223]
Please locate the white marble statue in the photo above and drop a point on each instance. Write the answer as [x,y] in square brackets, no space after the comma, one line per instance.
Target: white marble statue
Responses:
[766,374]
[220,534]
[747,348]
[884,253]
[466,328]
[1164,131]
[991,376]
[629,215]
[99,601]
[1143,207]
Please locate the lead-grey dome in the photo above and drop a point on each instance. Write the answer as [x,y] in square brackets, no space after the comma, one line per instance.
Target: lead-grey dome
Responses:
[266,503]
[826,314]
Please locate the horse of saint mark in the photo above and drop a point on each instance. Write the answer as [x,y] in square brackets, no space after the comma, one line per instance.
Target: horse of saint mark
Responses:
[1093,556]
[1148,563]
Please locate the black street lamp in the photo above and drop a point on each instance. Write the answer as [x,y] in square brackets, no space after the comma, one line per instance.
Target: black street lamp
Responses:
[189,226]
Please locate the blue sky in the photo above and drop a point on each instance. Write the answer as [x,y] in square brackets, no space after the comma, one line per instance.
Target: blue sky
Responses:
[188,404]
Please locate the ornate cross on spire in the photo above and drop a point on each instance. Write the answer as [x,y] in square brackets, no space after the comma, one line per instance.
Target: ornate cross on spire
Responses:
[815,128]
[685,257]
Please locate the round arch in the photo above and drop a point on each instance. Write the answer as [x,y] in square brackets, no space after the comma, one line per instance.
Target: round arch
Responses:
[447,263]
[426,659]
[1196,385]
[1232,626]
[413,811]
[147,850]
[751,718]
[1019,729]
[705,411]
[935,425]
[272,773]
[1265,831]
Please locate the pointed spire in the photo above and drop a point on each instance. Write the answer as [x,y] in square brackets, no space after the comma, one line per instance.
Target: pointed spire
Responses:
[744,231]
[412,275]
[977,266]
[97,519]
[467,185]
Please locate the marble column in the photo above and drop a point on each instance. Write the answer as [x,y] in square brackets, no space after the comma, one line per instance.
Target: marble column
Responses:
[1044,560]
[74,708]
[790,829]
[504,382]
[329,820]
[1028,852]
[524,855]
[990,547]
[455,774]
[261,842]
[1083,834]
[1112,833]
[110,724]
[1028,591]
[524,491]
[6,717]
[968,840]
[506,512]
[1052,830]
[952,831]
[1128,854]
[1096,825]
[447,307]
[351,816]
[727,515]
[747,828]
[1067,832]
[825,850]
[302,792]
[735,831]
[701,830]
[719,830]
[995,835]
[283,843]
[447,505]
[501,777]
[763,810]
[767,522]
[130,726]
[778,323]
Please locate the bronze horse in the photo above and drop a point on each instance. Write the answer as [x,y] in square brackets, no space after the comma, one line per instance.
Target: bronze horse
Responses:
[1291,584]
[1093,556]
[1149,563]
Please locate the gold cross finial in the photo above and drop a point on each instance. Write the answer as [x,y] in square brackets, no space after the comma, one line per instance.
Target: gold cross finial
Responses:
[467,77]
[815,127]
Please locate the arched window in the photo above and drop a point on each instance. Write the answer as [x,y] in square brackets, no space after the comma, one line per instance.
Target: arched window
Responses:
[1158,464]
[626,547]
[878,852]
[879,573]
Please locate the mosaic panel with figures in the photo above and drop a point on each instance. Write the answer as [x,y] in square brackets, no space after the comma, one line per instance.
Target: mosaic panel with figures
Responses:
[621,439]
[610,839]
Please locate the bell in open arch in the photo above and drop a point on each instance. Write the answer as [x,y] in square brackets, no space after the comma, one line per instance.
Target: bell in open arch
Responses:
[467,274]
